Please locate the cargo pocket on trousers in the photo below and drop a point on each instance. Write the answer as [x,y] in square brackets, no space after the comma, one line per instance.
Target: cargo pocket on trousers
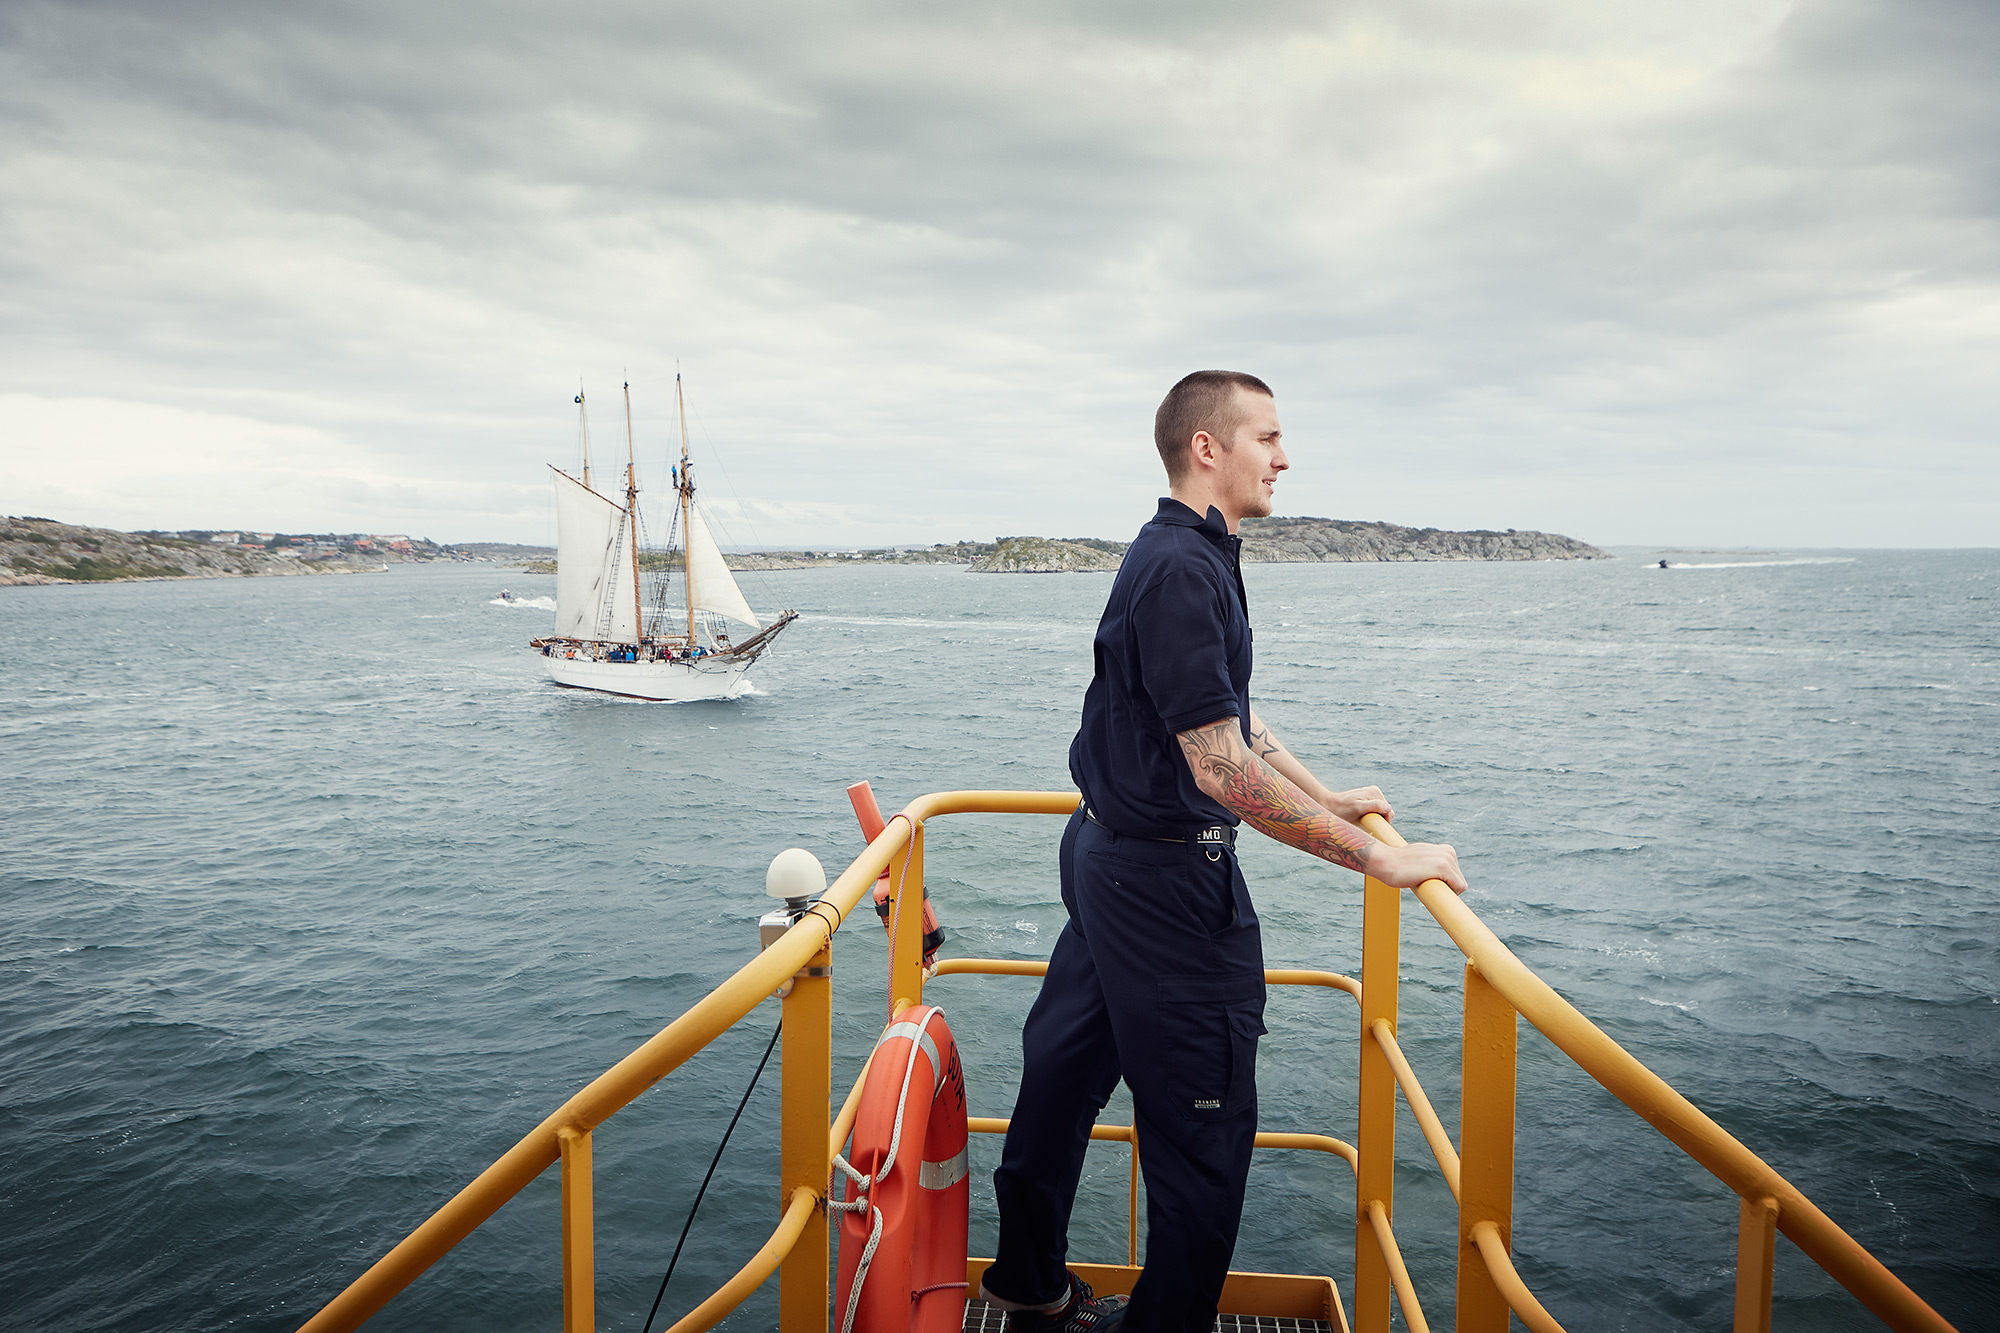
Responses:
[1246,1024]
[1211,1025]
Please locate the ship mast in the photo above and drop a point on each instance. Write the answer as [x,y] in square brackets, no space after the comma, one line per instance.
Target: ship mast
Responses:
[632,518]
[583,432]
[687,508]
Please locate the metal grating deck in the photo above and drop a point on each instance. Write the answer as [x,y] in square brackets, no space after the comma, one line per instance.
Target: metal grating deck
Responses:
[983,1318]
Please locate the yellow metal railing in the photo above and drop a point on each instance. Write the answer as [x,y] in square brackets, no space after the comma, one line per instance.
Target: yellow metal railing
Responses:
[1497,987]
[1126,1134]
[1479,1169]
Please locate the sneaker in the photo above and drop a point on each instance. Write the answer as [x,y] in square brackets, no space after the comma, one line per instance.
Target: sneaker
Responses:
[1080,1312]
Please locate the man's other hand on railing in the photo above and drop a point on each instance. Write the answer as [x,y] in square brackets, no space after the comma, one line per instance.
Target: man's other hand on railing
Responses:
[1410,865]
[1352,805]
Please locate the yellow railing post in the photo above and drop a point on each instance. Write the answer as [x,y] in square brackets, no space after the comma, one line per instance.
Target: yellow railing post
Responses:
[578,1263]
[1132,1205]
[1375,1174]
[906,924]
[1486,1148]
[805,1156]
[1756,1253]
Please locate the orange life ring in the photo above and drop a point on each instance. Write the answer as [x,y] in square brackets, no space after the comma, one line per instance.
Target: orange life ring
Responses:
[903,1223]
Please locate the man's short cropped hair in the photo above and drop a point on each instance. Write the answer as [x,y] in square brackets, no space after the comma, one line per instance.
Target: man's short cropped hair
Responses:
[1206,401]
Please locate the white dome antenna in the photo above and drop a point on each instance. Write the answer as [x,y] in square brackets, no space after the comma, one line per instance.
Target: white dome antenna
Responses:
[796,876]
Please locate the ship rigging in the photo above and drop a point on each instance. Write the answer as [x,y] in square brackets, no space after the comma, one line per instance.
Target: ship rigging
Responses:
[604,638]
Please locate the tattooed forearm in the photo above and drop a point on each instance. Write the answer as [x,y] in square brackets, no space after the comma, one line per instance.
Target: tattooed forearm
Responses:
[1246,784]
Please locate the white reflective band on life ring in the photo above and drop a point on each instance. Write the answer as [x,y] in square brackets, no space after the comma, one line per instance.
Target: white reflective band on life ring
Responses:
[943,1175]
[915,1032]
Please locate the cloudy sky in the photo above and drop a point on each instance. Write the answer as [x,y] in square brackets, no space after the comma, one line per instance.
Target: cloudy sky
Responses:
[1702,273]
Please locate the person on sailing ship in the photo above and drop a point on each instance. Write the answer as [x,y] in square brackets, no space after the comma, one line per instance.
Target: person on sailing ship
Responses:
[1158,975]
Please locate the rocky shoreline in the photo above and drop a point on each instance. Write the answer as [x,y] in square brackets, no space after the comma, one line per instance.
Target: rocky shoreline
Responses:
[37,551]
[41,550]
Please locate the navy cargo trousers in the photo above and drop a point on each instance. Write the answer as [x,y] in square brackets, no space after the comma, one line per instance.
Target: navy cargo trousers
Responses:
[1158,977]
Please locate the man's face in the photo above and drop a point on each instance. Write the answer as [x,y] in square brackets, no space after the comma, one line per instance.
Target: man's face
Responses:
[1253,459]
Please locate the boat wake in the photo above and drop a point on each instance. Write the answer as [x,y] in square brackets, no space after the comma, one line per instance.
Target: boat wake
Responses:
[1758,564]
[532,603]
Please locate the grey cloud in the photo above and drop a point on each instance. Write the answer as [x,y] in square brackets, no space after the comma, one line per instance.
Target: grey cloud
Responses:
[907,241]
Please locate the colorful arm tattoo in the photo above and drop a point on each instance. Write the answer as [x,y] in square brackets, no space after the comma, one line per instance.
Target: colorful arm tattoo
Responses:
[1246,784]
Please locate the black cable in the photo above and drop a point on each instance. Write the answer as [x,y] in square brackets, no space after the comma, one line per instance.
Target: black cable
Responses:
[710,1176]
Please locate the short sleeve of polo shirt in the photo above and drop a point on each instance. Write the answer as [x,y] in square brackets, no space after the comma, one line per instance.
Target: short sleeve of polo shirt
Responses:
[1179,625]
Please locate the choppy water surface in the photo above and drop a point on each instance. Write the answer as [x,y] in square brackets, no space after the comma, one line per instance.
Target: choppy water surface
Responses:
[317,897]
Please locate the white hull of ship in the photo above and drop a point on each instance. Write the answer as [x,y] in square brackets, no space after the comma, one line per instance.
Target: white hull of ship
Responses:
[662,682]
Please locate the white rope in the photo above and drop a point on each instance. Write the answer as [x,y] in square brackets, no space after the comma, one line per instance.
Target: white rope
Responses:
[859,1203]
[865,1184]
[903,1098]
[861,1271]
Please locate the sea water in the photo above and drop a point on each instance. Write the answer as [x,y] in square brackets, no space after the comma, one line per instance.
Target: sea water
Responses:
[318,896]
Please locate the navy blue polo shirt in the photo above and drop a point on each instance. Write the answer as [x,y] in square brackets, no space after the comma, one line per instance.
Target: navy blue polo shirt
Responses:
[1173,653]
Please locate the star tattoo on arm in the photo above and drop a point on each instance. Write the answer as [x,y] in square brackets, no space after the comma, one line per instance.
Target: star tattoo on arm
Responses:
[1263,741]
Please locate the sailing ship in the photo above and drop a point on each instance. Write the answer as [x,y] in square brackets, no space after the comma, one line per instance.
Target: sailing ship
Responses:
[607,637]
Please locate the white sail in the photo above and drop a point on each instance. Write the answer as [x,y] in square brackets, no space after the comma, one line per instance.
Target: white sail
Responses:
[594,588]
[714,587]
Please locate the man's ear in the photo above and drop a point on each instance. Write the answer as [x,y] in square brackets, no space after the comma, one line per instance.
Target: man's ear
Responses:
[1203,449]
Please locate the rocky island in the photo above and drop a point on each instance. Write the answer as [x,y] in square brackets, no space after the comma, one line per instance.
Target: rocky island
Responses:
[1280,541]
[1266,541]
[1049,555]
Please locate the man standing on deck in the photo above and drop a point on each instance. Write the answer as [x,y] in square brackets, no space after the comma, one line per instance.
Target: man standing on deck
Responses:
[1158,976]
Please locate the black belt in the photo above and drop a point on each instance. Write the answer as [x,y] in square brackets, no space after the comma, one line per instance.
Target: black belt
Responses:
[1215,835]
